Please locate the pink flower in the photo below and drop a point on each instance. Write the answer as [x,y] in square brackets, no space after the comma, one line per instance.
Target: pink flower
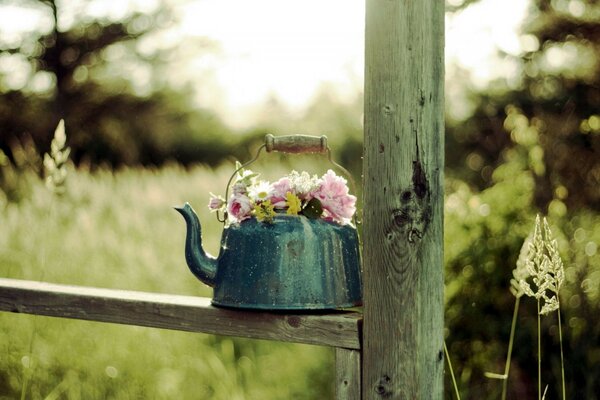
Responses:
[279,190]
[239,207]
[216,202]
[333,194]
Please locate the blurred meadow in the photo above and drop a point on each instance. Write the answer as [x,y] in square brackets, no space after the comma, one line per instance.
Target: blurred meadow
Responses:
[118,230]
[159,100]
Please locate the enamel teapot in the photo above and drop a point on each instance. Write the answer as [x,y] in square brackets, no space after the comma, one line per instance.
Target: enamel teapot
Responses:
[290,263]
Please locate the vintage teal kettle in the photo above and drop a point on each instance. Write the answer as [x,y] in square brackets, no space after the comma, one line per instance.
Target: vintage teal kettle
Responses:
[290,263]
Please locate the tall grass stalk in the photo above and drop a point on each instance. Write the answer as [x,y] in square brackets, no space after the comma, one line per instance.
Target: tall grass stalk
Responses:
[539,350]
[562,358]
[510,347]
[56,175]
[29,368]
[555,279]
[545,391]
[451,371]
[520,273]
[27,361]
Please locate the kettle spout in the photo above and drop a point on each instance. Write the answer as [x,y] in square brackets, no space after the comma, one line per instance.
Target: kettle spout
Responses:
[202,265]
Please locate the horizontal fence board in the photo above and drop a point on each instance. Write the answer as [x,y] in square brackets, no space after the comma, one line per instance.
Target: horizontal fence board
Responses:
[184,313]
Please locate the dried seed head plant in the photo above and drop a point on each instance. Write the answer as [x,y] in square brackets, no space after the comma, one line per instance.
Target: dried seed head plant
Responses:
[520,273]
[55,162]
[541,264]
[545,268]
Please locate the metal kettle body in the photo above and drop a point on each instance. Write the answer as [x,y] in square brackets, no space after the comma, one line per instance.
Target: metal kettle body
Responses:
[293,263]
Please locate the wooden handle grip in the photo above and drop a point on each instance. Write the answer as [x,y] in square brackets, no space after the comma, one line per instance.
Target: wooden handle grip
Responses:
[296,144]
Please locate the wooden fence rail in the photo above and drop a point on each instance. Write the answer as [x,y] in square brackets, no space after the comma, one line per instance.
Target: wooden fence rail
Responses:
[341,330]
[183,313]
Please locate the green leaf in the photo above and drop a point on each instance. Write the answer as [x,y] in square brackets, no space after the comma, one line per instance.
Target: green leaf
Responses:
[313,209]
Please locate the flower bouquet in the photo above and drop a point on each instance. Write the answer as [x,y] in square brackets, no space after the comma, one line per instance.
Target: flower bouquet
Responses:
[314,197]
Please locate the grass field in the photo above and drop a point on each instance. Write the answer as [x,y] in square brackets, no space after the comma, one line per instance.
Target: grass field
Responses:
[119,231]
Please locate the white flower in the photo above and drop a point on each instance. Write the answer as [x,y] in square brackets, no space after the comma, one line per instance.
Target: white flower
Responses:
[260,191]
[303,184]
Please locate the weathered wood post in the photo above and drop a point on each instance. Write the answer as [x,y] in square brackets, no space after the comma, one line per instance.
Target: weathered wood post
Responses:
[403,200]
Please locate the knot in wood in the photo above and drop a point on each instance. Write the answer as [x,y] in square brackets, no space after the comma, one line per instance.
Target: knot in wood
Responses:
[388,109]
[413,215]
[414,234]
[294,321]
[383,386]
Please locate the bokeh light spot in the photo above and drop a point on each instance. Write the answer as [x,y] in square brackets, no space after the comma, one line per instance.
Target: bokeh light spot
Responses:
[591,248]
[111,371]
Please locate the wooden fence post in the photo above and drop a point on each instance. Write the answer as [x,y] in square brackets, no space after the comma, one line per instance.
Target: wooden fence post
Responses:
[403,200]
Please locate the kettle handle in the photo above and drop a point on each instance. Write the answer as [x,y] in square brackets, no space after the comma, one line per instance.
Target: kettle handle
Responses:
[296,144]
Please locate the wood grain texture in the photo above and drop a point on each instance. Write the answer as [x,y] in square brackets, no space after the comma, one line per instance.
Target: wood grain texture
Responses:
[184,313]
[403,200]
[347,374]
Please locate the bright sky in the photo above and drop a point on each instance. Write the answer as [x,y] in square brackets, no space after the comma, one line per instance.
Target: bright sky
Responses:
[288,49]
[280,48]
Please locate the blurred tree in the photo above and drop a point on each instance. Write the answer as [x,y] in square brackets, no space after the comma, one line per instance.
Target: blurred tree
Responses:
[559,91]
[97,74]
[531,144]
